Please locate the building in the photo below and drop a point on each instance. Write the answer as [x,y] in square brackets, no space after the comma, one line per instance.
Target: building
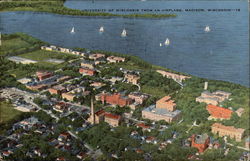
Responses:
[200,142]
[240,111]
[138,97]
[96,56]
[217,112]
[132,78]
[60,106]
[58,89]
[176,77]
[116,99]
[21,60]
[41,75]
[231,131]
[165,109]
[96,117]
[68,96]
[86,71]
[112,119]
[213,98]
[88,64]
[97,84]
[247,143]
[63,78]
[37,87]
[166,103]
[115,59]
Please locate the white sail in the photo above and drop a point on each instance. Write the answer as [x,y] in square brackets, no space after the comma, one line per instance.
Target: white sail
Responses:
[160,44]
[124,33]
[167,42]
[72,30]
[207,29]
[101,29]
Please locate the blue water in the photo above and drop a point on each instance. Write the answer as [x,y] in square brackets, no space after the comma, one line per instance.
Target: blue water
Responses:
[222,54]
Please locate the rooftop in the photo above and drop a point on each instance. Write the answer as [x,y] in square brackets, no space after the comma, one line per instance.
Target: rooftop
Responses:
[162,111]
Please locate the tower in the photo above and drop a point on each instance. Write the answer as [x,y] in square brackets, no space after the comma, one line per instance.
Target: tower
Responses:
[205,85]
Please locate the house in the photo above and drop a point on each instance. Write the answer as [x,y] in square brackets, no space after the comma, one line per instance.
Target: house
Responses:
[97,84]
[143,126]
[112,119]
[151,139]
[96,56]
[82,155]
[138,97]
[63,78]
[132,78]
[88,64]
[41,75]
[64,136]
[37,87]
[116,99]
[200,142]
[60,106]
[58,89]
[68,96]
[213,98]
[176,77]
[239,111]
[60,159]
[115,59]
[231,131]
[113,80]
[217,112]
[86,71]
[164,109]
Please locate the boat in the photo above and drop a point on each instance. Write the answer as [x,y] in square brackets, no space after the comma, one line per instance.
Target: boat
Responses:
[101,29]
[124,33]
[72,30]
[207,29]
[160,44]
[167,42]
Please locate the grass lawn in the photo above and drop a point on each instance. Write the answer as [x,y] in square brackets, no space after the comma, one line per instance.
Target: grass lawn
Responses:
[7,112]
[13,44]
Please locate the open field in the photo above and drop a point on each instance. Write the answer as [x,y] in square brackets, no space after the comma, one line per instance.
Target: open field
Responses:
[7,112]
[13,44]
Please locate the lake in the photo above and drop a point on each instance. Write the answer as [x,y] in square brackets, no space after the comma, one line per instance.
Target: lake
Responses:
[221,54]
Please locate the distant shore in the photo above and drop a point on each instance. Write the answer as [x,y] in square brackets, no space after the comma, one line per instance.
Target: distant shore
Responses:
[57,7]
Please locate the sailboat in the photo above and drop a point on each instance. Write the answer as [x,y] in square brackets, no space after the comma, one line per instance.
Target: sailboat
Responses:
[160,44]
[167,42]
[124,33]
[207,29]
[101,29]
[72,30]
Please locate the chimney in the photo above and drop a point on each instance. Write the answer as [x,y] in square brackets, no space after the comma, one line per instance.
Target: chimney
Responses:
[205,85]
[92,112]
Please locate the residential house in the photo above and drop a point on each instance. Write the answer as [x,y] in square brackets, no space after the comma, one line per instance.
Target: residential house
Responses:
[176,77]
[96,56]
[112,119]
[86,71]
[115,59]
[58,89]
[132,78]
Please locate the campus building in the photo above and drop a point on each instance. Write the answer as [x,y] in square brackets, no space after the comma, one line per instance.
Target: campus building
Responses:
[201,142]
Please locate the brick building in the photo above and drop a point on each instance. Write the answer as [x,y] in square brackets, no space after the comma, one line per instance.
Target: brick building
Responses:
[58,89]
[165,109]
[87,71]
[41,75]
[217,112]
[112,119]
[232,132]
[138,97]
[201,142]
[116,99]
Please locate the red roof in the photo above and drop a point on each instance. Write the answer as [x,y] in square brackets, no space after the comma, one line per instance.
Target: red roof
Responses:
[142,125]
[219,112]
[112,116]
[98,113]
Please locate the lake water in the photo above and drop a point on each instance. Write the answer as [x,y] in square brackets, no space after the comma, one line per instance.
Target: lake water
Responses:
[222,54]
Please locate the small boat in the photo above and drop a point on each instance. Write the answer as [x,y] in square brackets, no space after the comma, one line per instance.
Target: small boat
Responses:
[160,44]
[207,29]
[167,42]
[72,30]
[101,29]
[124,33]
